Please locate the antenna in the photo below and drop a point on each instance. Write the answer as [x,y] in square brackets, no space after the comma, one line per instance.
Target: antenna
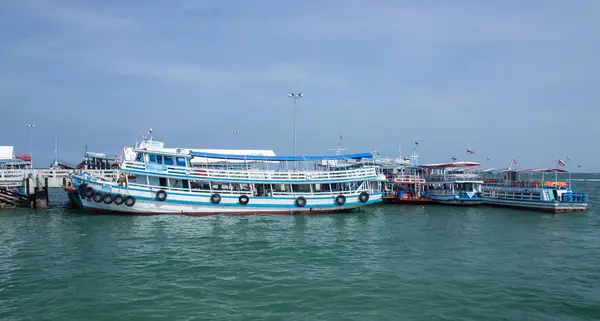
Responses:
[339,148]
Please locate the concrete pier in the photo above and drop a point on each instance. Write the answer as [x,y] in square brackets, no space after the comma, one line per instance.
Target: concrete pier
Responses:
[34,185]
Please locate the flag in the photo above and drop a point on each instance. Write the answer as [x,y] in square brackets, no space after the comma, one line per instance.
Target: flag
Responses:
[561,163]
[514,161]
[150,131]
[416,143]
[470,152]
[454,158]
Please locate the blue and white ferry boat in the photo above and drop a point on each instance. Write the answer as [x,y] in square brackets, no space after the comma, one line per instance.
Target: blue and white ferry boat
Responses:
[453,184]
[182,181]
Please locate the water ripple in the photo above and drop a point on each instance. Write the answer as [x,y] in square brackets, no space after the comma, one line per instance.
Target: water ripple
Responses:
[384,263]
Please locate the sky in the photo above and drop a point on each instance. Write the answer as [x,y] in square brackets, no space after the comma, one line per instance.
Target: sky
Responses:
[506,79]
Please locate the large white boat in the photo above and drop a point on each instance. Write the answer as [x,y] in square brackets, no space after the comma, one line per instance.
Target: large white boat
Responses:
[180,181]
[454,184]
[530,189]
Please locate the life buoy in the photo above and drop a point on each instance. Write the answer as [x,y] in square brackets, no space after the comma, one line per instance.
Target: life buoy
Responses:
[200,173]
[340,200]
[215,198]
[89,191]
[107,199]
[244,199]
[161,195]
[300,201]
[363,197]
[129,200]
[118,199]
[98,197]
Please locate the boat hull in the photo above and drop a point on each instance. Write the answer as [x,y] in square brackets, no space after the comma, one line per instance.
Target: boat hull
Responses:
[459,202]
[541,206]
[414,201]
[188,203]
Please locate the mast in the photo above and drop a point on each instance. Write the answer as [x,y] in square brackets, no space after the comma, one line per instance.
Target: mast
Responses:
[56,151]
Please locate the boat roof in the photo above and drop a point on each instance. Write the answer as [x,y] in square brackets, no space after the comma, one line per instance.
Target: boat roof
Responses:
[451,164]
[279,158]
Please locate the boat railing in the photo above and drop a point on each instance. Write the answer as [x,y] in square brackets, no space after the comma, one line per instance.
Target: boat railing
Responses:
[251,175]
[245,191]
[454,177]
[524,184]
[408,179]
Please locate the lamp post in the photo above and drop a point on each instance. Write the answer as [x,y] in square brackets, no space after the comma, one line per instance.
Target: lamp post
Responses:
[295,97]
[30,126]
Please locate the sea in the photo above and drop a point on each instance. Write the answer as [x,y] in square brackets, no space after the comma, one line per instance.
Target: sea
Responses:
[385,262]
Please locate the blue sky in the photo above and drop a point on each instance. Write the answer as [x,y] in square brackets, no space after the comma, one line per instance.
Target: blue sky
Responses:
[503,78]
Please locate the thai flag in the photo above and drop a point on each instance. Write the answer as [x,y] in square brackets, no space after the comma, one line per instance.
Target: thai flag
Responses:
[515,161]
[150,131]
[454,158]
[561,163]
[470,152]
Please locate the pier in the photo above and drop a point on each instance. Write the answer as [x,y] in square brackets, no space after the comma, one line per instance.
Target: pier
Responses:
[29,188]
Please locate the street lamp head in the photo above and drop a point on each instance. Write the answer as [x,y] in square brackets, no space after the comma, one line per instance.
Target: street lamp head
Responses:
[300,95]
[29,125]
[290,95]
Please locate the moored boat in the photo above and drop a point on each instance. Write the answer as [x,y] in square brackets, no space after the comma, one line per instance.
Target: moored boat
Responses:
[405,182]
[161,181]
[529,189]
[453,184]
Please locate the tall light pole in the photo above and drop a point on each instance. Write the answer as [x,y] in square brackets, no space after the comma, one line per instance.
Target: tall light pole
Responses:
[30,126]
[295,97]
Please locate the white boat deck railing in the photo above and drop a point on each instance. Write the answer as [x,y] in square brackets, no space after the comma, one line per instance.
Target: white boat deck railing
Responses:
[245,191]
[252,175]
[408,179]
[455,177]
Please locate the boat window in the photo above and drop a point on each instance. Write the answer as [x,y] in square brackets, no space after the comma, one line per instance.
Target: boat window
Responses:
[137,179]
[281,188]
[138,157]
[199,185]
[153,181]
[159,159]
[162,181]
[180,161]
[301,188]
[151,158]
[221,186]
[169,160]
[177,183]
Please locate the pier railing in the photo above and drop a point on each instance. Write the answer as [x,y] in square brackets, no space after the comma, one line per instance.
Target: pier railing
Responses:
[251,175]
[55,177]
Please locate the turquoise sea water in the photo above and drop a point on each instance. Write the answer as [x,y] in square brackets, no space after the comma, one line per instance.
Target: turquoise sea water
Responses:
[386,262]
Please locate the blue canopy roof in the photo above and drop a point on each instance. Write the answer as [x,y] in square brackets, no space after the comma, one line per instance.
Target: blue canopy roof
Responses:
[280,158]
